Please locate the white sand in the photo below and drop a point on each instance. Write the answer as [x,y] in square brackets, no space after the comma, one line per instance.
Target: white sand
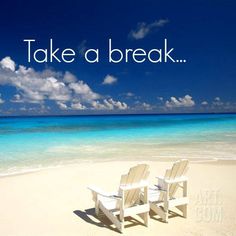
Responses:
[57,202]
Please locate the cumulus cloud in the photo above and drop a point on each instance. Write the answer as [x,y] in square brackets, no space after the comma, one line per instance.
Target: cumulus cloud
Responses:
[64,89]
[83,91]
[143,106]
[98,106]
[62,105]
[109,79]
[77,106]
[73,106]
[109,104]
[115,104]
[17,98]
[146,106]
[35,87]
[204,103]
[143,29]
[185,101]
[69,77]
[217,102]
[8,63]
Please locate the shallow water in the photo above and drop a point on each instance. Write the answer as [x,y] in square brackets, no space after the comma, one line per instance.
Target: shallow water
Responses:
[37,142]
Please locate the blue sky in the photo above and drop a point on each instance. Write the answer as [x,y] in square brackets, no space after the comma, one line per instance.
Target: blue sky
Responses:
[202,32]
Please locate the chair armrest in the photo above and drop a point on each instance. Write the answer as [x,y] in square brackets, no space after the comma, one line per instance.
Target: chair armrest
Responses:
[173,181]
[102,193]
[126,187]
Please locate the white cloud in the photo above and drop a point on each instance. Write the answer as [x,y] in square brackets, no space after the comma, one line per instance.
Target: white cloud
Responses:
[204,103]
[64,89]
[109,104]
[62,105]
[160,98]
[143,29]
[185,101]
[129,94]
[217,102]
[74,106]
[143,106]
[109,79]
[17,98]
[116,104]
[98,106]
[146,106]
[37,109]
[77,106]
[35,87]
[8,63]
[69,77]
[83,91]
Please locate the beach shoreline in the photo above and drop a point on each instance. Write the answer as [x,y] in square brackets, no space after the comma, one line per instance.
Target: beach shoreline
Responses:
[213,161]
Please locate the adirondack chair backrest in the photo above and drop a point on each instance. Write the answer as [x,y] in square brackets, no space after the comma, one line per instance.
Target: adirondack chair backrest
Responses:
[136,175]
[178,170]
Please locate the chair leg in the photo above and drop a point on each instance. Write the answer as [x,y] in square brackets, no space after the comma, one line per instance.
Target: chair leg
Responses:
[97,208]
[122,227]
[185,211]
[146,218]
[166,216]
[166,211]
[121,224]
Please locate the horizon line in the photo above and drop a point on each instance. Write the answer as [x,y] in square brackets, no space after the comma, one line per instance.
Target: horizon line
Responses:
[121,114]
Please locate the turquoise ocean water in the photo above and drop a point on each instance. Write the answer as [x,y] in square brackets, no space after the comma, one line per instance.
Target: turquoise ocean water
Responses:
[28,143]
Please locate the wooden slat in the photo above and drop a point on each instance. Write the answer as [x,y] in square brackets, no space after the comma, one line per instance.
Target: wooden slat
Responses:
[175,169]
[123,180]
[166,176]
[143,175]
[112,217]
[175,174]
[138,174]
[136,210]
[130,179]
[158,210]
[181,170]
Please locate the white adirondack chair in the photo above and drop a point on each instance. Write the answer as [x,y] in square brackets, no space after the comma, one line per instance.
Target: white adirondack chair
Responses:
[163,196]
[126,202]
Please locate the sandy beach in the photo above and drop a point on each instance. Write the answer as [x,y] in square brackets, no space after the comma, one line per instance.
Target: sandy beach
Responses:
[57,201]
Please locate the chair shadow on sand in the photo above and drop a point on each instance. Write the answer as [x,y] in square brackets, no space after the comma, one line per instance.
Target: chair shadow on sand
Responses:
[172,214]
[90,217]
[102,221]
